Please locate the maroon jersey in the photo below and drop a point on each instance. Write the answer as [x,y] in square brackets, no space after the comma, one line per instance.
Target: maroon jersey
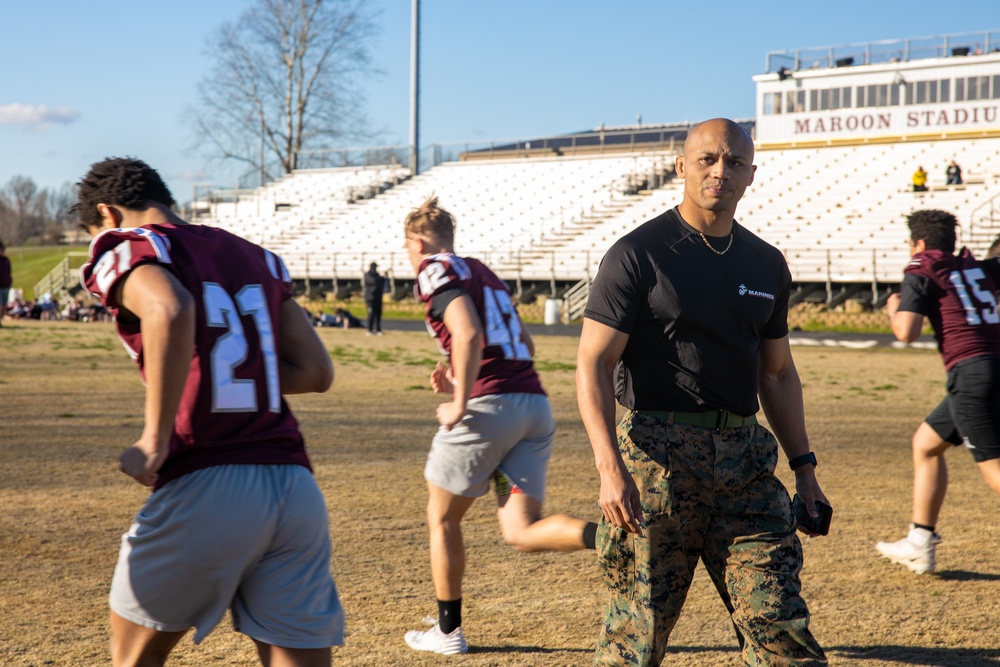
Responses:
[958,295]
[506,366]
[232,410]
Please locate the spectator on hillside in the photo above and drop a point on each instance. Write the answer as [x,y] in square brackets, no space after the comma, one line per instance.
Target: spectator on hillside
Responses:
[72,310]
[48,308]
[5,279]
[17,309]
[920,180]
[953,174]
[90,313]
[98,313]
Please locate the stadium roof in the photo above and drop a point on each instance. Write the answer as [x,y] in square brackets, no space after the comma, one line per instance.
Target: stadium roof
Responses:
[886,51]
[615,137]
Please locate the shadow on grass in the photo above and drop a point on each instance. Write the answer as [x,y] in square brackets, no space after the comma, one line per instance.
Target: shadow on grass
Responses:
[921,656]
[526,649]
[965,575]
[541,650]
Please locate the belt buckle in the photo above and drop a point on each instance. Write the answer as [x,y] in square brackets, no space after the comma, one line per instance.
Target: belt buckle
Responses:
[721,417]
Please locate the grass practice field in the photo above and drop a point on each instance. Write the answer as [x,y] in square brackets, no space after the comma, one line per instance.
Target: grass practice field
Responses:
[70,400]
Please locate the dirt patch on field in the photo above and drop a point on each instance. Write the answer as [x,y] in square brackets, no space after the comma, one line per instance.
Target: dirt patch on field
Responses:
[72,401]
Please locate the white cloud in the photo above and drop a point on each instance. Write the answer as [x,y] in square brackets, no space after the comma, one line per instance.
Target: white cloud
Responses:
[36,117]
[194,175]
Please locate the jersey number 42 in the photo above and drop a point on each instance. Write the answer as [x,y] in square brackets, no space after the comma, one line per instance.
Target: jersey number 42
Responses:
[503,326]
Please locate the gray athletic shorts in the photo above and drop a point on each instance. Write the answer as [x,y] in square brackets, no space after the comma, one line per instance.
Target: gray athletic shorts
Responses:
[250,538]
[509,433]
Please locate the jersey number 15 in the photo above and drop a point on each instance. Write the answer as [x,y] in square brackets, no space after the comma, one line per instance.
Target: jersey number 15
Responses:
[971,279]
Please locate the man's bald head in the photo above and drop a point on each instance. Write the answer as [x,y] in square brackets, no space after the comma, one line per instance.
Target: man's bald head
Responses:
[717,167]
[734,132]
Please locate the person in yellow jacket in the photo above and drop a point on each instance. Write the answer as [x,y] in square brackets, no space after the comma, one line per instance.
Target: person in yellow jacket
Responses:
[920,180]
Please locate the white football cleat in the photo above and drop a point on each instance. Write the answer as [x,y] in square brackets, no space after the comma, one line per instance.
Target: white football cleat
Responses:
[915,551]
[436,641]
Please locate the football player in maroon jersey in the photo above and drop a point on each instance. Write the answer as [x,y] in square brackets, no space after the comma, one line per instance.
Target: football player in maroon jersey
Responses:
[235,520]
[958,295]
[497,425]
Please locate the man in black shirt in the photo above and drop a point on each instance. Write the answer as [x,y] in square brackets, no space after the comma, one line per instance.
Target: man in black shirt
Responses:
[374,288]
[686,327]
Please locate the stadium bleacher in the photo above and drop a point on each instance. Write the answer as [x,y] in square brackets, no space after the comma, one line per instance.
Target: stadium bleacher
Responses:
[505,210]
[838,212]
[837,144]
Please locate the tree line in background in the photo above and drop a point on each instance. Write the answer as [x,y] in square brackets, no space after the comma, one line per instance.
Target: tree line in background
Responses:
[287,78]
[32,214]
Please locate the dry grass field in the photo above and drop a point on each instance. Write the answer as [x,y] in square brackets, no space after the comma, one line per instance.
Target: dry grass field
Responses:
[70,400]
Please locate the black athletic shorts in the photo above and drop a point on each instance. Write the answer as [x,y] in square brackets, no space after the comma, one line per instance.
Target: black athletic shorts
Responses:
[940,420]
[974,402]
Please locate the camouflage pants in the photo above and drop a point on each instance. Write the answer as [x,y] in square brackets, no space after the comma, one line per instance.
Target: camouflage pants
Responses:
[710,495]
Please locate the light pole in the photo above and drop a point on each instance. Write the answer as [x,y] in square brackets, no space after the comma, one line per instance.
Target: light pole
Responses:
[415,88]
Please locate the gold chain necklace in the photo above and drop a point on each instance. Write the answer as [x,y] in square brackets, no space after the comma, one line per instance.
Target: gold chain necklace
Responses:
[712,248]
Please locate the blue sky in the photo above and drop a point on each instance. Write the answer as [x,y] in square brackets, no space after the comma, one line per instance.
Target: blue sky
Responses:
[113,77]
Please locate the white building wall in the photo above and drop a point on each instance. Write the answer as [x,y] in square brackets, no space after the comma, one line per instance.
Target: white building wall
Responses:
[866,123]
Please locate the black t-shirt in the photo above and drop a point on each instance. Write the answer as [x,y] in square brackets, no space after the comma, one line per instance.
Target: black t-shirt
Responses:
[374,286]
[694,318]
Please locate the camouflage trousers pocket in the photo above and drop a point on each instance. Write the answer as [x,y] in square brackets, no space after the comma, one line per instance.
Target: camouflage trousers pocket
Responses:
[616,558]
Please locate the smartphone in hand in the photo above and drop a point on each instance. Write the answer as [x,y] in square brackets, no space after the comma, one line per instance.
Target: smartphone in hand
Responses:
[819,525]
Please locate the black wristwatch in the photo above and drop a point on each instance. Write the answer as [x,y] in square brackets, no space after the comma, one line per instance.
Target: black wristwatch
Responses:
[800,461]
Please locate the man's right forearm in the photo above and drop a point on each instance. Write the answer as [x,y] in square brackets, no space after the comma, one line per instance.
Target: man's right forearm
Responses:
[599,351]
[595,398]
[619,498]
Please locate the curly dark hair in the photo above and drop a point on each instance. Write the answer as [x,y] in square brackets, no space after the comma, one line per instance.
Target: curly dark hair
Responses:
[123,181]
[935,228]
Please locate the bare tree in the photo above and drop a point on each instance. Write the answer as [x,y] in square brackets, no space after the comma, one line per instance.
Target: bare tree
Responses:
[58,219]
[287,77]
[27,212]
[8,222]
[25,207]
